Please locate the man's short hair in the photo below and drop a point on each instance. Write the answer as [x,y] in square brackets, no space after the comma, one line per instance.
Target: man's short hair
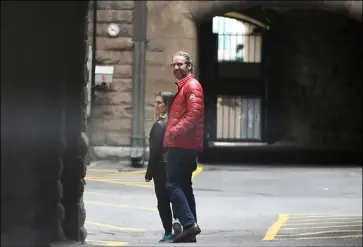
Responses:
[187,57]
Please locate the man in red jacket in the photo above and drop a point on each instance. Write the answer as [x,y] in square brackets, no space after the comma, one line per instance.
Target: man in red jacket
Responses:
[184,138]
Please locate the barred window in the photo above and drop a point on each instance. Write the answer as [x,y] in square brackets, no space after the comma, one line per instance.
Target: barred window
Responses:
[237,40]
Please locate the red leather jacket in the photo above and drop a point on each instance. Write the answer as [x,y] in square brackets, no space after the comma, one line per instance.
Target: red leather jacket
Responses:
[186,117]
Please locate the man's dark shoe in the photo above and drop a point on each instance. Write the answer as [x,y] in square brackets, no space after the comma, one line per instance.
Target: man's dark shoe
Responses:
[191,239]
[187,233]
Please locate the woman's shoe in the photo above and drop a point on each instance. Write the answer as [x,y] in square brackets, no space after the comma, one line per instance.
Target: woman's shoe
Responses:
[166,238]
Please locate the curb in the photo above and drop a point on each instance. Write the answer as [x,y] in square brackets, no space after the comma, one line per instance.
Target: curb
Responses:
[113,153]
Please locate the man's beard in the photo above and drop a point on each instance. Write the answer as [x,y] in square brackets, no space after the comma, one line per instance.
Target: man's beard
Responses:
[179,74]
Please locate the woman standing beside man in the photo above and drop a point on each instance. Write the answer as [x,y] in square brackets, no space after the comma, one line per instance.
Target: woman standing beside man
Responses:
[156,169]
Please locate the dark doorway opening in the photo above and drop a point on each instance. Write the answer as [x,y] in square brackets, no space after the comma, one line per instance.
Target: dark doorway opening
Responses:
[231,69]
[242,67]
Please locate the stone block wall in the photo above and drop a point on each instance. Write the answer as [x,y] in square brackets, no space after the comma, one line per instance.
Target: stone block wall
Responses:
[321,87]
[320,81]
[110,121]
[172,26]
[167,32]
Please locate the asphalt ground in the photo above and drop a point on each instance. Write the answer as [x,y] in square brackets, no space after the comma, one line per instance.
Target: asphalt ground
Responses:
[236,206]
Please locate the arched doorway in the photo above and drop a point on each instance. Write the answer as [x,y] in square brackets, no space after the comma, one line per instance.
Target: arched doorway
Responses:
[231,68]
[263,93]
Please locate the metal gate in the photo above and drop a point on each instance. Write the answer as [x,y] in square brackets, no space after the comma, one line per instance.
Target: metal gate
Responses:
[238,118]
[239,87]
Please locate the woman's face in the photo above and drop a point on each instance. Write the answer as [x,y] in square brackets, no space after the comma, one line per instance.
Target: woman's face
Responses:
[160,107]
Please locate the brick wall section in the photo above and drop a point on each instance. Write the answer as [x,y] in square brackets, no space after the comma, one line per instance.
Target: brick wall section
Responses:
[110,121]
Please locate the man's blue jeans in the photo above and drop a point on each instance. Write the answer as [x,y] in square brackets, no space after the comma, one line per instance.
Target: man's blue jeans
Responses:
[181,165]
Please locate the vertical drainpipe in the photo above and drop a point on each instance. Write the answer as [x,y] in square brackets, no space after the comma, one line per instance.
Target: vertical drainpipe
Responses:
[138,85]
[94,22]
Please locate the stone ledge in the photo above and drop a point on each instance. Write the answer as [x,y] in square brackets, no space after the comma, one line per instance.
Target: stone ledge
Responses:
[67,243]
[113,153]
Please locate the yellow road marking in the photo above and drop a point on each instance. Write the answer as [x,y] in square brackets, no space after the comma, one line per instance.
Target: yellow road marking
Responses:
[319,223]
[138,172]
[292,216]
[316,233]
[310,227]
[116,171]
[197,171]
[275,227]
[114,227]
[116,179]
[318,220]
[119,205]
[109,171]
[330,237]
[122,183]
[134,183]
[116,244]
[108,243]
[101,194]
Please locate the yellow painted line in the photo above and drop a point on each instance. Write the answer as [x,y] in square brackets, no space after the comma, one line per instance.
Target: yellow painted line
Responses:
[114,227]
[320,223]
[291,216]
[137,172]
[97,170]
[101,194]
[134,183]
[114,174]
[119,205]
[108,243]
[316,233]
[116,243]
[330,237]
[197,171]
[129,178]
[318,220]
[115,171]
[122,183]
[275,227]
[310,227]
[116,179]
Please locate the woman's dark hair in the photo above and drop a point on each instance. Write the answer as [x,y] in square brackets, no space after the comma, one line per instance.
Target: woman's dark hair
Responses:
[168,98]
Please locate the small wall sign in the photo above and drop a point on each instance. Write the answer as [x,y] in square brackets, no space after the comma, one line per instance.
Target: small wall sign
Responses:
[113,30]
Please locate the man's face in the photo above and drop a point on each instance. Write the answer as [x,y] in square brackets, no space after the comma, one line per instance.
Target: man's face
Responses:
[180,67]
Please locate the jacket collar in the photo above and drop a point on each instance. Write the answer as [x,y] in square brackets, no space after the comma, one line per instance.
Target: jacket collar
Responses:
[183,81]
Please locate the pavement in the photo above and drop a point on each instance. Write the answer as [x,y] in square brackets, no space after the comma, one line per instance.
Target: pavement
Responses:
[236,206]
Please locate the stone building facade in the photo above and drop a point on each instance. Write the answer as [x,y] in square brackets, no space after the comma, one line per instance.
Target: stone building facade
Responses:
[43,104]
[111,114]
[171,26]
